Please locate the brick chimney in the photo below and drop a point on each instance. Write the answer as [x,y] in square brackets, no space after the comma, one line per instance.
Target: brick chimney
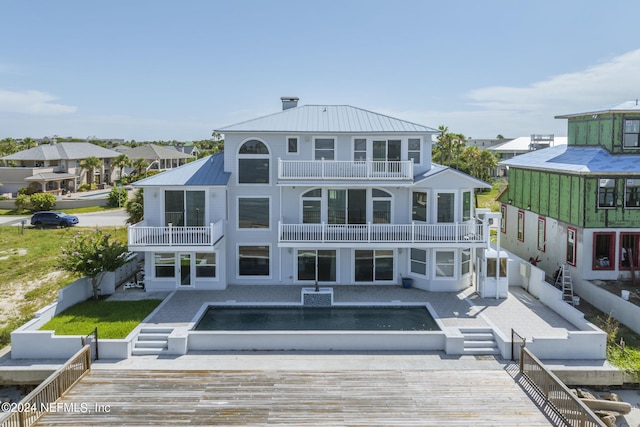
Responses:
[289,102]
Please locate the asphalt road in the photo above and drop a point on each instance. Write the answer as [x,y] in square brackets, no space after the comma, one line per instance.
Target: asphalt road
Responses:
[116,217]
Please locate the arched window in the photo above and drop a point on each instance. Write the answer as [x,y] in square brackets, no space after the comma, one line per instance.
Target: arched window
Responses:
[253,163]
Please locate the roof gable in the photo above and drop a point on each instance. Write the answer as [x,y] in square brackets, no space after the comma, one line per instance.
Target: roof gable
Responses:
[443,177]
[63,150]
[327,119]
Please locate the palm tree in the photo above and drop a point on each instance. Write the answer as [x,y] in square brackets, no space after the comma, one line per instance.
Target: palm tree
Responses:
[139,165]
[90,164]
[121,162]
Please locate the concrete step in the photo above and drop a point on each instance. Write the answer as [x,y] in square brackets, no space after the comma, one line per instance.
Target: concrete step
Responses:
[482,350]
[152,337]
[480,344]
[147,351]
[150,330]
[151,344]
[151,341]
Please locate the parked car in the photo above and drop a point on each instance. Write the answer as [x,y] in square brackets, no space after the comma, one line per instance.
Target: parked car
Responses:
[43,219]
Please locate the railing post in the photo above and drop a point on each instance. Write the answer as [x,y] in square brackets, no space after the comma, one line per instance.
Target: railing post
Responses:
[322,231]
[369,232]
[413,232]
[170,234]
[211,233]
[322,167]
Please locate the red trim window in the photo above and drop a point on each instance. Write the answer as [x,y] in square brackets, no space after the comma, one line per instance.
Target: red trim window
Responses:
[542,233]
[572,243]
[521,225]
[604,253]
[503,219]
[629,248]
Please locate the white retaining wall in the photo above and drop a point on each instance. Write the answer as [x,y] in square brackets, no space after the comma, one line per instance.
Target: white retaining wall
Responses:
[623,311]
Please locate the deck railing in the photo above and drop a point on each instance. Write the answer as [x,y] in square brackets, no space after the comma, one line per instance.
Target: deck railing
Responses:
[42,399]
[563,402]
[340,169]
[141,235]
[470,232]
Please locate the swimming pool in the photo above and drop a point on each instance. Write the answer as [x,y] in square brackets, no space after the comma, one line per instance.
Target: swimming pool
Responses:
[301,318]
[95,195]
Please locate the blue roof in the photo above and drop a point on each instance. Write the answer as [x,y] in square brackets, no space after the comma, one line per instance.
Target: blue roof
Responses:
[564,158]
[327,119]
[206,171]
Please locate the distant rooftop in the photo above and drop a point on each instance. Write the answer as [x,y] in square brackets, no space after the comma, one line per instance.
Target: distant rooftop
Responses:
[63,150]
[522,144]
[327,119]
[206,171]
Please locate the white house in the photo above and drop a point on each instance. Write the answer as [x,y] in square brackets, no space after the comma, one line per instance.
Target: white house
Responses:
[332,194]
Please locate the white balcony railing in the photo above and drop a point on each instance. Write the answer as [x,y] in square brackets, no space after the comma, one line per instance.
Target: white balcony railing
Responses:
[352,170]
[470,232]
[140,235]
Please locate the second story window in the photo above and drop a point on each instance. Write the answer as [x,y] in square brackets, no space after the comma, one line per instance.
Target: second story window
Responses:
[632,193]
[631,133]
[253,163]
[292,145]
[414,150]
[606,193]
[324,149]
[359,150]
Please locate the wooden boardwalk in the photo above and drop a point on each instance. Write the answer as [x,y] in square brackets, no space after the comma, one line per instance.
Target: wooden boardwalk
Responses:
[297,398]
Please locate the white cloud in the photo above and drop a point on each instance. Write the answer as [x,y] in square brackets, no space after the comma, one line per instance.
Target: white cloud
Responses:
[521,111]
[32,102]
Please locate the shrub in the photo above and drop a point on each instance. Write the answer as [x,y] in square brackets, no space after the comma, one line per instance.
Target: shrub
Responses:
[87,187]
[42,201]
[23,201]
[26,191]
[117,197]
[5,198]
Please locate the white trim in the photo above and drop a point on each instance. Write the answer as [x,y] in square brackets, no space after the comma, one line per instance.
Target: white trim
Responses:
[286,141]
[253,156]
[335,151]
[394,276]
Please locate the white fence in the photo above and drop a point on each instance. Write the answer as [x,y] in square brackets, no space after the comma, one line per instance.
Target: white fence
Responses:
[140,235]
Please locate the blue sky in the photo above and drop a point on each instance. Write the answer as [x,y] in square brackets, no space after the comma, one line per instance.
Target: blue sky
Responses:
[164,70]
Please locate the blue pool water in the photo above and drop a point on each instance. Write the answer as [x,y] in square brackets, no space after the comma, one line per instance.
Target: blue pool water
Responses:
[335,318]
[95,195]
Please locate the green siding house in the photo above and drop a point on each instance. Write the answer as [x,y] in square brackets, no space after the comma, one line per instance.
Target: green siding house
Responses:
[579,204]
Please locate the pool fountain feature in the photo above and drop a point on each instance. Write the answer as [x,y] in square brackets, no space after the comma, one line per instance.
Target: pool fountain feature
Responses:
[317,297]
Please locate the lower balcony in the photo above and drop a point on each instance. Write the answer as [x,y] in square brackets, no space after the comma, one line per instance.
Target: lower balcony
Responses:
[142,237]
[469,234]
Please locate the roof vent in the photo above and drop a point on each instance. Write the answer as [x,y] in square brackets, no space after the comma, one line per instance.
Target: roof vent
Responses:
[289,102]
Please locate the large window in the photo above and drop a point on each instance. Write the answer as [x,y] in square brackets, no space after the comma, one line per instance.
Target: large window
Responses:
[491,267]
[446,203]
[164,264]
[184,208]
[253,163]
[311,205]
[606,193]
[521,226]
[603,251]
[253,260]
[419,207]
[466,206]
[632,133]
[445,266]
[571,245]
[324,149]
[542,233]
[419,261]
[317,265]
[465,265]
[632,193]
[205,264]
[253,212]
[414,150]
[372,266]
[347,206]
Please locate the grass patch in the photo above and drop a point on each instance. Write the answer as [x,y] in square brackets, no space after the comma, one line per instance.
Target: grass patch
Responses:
[488,199]
[114,319]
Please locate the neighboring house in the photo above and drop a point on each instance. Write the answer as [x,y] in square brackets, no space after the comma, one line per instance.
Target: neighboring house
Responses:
[158,157]
[522,145]
[55,168]
[319,193]
[187,149]
[579,203]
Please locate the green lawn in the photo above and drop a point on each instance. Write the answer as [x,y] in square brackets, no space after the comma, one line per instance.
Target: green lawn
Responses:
[30,279]
[87,209]
[488,199]
[114,319]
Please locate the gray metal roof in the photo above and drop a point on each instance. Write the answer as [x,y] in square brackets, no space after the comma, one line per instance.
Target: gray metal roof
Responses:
[625,107]
[155,152]
[327,119]
[564,158]
[50,176]
[437,169]
[522,144]
[206,171]
[63,150]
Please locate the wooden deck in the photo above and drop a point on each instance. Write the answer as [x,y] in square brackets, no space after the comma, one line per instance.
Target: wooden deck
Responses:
[297,398]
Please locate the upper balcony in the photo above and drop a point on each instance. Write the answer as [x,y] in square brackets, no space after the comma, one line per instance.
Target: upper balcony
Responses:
[474,233]
[171,238]
[339,170]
